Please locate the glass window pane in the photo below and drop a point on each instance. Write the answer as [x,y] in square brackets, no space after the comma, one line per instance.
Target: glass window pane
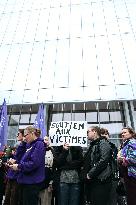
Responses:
[11,28]
[14,119]
[31,26]
[67,117]
[53,21]
[25,118]
[103,116]
[87,25]
[130,47]
[4,23]
[75,18]
[121,10]
[124,92]
[33,117]
[41,28]
[118,60]
[47,77]
[105,70]
[10,68]
[45,95]
[4,52]
[79,116]
[114,128]
[61,76]
[12,133]
[22,69]
[21,27]
[75,63]
[98,19]
[91,117]
[57,117]
[16,97]
[111,90]
[30,96]
[34,71]
[91,93]
[64,23]
[115,116]
[89,63]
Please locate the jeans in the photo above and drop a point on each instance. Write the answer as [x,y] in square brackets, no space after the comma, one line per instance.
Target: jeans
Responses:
[69,193]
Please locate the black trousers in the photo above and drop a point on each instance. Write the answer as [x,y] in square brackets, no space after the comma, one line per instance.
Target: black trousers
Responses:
[11,193]
[1,197]
[130,183]
[30,193]
[98,193]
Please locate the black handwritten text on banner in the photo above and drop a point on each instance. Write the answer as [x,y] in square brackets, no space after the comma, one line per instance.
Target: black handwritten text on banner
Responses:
[72,132]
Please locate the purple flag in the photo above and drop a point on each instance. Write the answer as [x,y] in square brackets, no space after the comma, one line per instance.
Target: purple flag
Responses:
[3,125]
[40,121]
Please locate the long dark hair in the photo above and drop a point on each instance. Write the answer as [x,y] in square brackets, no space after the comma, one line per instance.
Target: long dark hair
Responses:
[21,131]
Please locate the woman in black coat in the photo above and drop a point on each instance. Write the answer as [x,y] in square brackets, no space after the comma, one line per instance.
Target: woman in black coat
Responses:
[96,172]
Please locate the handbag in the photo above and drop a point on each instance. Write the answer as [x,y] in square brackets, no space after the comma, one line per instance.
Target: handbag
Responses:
[122,200]
[105,174]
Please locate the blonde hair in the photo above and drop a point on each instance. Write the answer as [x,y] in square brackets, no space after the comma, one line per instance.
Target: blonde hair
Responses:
[34,130]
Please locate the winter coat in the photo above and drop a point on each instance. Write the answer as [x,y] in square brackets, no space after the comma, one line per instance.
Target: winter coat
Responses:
[32,165]
[129,152]
[61,158]
[97,161]
[61,163]
[11,174]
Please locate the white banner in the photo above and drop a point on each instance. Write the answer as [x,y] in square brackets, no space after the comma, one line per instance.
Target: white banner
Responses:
[72,132]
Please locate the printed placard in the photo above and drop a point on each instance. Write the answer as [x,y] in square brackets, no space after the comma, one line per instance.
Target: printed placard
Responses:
[72,132]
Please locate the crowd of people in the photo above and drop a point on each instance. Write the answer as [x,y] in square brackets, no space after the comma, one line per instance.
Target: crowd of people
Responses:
[34,173]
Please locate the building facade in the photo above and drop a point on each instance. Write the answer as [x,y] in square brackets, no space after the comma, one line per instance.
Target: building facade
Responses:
[75,56]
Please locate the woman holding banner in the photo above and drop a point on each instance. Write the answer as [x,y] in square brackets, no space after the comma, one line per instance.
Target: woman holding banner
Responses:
[68,161]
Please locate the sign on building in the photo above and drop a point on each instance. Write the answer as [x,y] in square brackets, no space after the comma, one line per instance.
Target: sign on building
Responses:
[72,132]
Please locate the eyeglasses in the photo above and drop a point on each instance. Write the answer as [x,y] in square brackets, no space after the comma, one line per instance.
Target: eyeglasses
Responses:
[26,134]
